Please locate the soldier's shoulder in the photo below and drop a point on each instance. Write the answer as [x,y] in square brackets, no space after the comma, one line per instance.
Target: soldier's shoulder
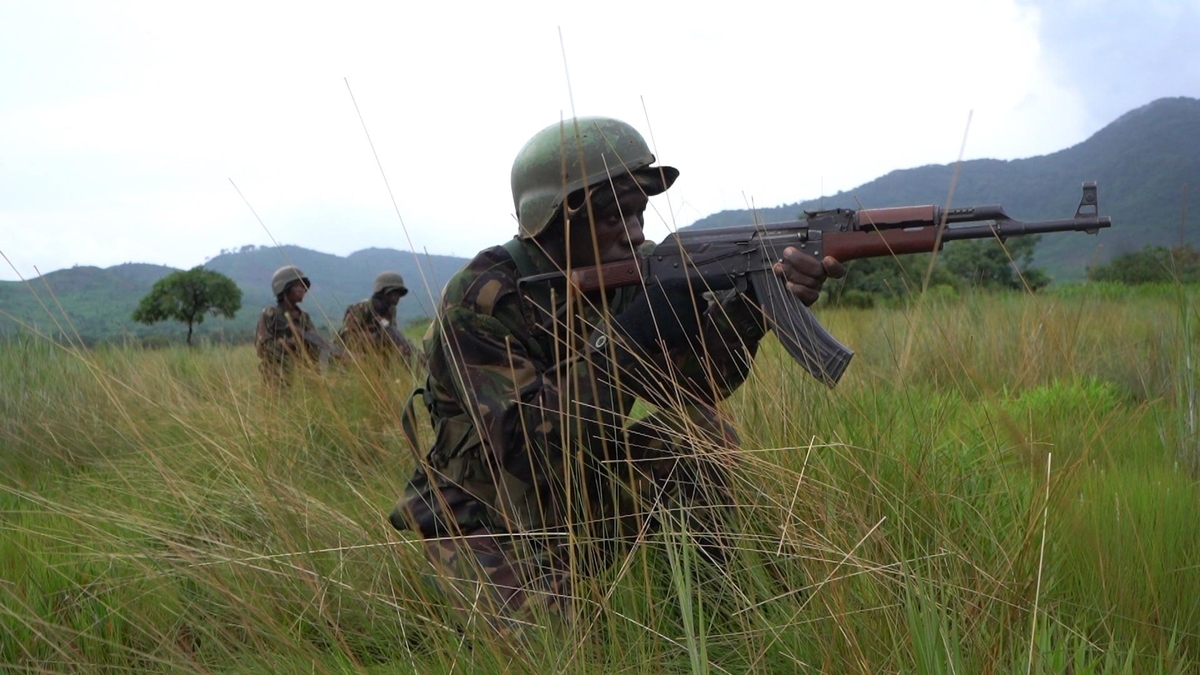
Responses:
[270,312]
[489,277]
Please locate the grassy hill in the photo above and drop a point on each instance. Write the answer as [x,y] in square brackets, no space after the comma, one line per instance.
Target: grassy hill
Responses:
[97,302]
[1141,162]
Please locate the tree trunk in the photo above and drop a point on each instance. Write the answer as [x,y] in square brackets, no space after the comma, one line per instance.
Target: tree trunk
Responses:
[189,339]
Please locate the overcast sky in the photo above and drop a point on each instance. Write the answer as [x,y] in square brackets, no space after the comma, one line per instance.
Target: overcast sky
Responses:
[121,124]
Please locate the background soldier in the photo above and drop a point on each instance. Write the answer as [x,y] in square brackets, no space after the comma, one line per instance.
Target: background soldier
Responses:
[280,338]
[535,475]
[370,325]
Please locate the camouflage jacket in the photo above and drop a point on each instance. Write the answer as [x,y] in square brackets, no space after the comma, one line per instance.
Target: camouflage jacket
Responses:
[279,338]
[364,327]
[511,377]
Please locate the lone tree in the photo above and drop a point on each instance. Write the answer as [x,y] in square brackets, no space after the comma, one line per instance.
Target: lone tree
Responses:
[187,297]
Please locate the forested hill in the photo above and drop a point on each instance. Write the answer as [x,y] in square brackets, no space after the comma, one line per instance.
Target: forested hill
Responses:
[1140,163]
[98,301]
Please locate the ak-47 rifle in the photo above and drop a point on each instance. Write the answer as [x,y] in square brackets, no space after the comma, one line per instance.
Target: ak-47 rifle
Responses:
[397,339]
[324,348]
[742,258]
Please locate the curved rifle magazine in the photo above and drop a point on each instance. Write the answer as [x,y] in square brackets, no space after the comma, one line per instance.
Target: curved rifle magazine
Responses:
[797,328]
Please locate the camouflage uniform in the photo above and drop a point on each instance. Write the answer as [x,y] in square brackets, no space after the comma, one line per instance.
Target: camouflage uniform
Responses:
[279,341]
[521,410]
[365,328]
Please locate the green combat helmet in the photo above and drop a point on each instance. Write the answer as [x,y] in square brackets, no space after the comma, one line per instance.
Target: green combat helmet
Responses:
[558,161]
[286,276]
[390,281]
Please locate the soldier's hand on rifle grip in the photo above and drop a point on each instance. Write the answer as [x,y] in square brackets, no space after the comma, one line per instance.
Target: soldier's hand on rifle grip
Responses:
[805,274]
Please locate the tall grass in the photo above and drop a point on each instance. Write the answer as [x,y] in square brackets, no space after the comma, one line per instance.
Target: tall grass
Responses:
[162,511]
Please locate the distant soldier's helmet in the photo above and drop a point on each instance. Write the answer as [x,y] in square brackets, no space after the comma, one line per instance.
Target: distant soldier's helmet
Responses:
[390,281]
[286,276]
[575,153]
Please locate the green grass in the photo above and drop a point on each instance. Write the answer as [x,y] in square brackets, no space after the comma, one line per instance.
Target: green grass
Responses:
[997,478]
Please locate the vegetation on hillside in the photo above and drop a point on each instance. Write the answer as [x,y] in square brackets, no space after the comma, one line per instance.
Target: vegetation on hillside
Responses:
[1151,265]
[981,264]
[88,305]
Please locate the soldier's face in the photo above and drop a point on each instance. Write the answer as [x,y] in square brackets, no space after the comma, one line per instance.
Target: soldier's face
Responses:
[617,228]
[296,292]
[392,297]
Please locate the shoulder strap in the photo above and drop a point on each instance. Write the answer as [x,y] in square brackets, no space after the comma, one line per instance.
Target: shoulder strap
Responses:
[408,421]
[537,297]
[516,251]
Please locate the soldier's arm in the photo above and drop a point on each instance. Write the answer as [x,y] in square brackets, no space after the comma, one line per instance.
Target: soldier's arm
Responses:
[301,327]
[731,331]
[356,323]
[525,406]
[267,343]
[405,346]
[707,367]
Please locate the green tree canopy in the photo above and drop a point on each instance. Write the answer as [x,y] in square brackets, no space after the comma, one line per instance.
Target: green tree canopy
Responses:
[187,297]
[870,279]
[985,263]
[1151,264]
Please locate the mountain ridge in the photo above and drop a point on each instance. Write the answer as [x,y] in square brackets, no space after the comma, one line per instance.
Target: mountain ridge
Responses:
[1140,162]
[98,301]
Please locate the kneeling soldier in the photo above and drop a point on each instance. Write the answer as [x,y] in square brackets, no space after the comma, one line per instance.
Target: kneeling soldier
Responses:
[537,476]
[370,325]
[280,338]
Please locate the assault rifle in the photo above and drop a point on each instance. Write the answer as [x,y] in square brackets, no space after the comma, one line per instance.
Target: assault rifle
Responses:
[324,348]
[397,339]
[742,258]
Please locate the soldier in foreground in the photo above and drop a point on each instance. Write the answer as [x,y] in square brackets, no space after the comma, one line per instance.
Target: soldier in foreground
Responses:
[369,325]
[280,336]
[536,478]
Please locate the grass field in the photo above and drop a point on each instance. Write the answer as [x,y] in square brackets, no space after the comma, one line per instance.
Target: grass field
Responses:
[1001,484]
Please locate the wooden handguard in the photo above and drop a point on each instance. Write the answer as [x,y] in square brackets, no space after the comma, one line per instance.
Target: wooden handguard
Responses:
[847,246]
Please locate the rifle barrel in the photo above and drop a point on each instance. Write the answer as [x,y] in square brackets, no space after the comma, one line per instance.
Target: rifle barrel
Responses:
[1013,228]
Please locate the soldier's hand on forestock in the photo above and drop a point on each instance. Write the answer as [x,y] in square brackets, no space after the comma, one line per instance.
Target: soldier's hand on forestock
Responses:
[663,317]
[805,274]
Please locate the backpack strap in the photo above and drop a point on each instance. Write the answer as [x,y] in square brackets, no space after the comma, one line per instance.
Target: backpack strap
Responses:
[538,298]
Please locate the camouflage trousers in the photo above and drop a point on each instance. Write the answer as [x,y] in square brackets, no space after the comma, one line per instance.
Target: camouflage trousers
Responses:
[676,472]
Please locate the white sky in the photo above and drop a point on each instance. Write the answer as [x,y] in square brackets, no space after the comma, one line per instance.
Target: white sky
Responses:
[121,124]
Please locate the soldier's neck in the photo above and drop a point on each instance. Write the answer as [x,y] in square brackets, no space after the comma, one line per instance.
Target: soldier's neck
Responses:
[555,249]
